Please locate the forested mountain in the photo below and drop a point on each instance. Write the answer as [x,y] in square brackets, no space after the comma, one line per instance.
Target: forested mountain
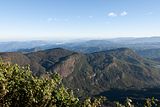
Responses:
[92,73]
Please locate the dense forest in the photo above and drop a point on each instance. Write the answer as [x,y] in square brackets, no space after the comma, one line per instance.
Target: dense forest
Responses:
[19,88]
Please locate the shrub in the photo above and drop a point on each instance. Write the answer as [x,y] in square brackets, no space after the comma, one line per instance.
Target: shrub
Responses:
[19,88]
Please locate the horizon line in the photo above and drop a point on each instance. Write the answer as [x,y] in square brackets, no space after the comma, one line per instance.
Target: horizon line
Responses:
[74,39]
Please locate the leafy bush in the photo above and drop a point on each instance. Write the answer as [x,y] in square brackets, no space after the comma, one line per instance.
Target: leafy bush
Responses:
[19,88]
[149,102]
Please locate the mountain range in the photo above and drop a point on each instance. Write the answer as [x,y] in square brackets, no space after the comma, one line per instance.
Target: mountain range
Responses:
[92,73]
[82,45]
[148,47]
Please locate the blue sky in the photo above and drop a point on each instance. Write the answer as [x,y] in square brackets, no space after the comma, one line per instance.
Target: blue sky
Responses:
[74,19]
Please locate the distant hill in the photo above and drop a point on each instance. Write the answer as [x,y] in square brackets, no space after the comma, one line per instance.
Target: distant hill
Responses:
[18,45]
[85,46]
[157,59]
[150,53]
[92,73]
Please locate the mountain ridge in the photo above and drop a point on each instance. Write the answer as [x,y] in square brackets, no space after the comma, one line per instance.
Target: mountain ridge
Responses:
[92,73]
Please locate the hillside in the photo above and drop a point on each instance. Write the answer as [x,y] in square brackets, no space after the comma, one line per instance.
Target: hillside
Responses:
[150,53]
[92,73]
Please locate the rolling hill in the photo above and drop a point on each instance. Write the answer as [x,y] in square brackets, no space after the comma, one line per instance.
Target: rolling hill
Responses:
[92,73]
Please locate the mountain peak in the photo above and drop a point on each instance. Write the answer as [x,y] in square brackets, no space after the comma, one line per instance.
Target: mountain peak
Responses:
[95,72]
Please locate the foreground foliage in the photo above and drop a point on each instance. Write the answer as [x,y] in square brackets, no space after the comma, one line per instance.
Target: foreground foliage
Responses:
[149,102]
[19,88]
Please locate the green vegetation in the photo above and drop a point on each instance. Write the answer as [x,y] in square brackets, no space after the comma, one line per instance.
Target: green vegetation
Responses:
[148,103]
[87,74]
[19,88]
[94,73]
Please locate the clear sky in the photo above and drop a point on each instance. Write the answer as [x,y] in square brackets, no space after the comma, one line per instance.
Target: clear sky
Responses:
[73,19]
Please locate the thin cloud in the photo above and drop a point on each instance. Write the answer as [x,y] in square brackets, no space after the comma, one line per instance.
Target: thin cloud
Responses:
[124,13]
[50,19]
[66,20]
[55,19]
[149,13]
[90,17]
[112,14]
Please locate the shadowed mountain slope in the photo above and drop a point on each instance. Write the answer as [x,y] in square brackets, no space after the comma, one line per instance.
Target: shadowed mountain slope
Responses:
[92,73]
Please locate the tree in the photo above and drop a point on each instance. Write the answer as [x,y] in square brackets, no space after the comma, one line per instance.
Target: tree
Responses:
[128,103]
[19,88]
[151,102]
